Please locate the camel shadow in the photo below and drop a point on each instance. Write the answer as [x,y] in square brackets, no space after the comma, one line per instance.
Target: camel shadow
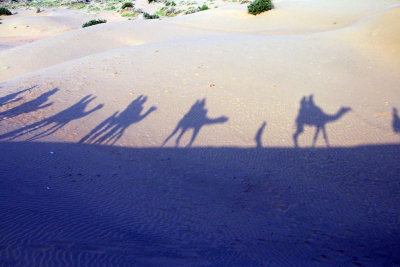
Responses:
[312,115]
[29,106]
[11,98]
[396,121]
[56,121]
[113,128]
[194,119]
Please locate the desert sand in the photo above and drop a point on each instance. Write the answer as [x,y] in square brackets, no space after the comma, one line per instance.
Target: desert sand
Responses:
[172,142]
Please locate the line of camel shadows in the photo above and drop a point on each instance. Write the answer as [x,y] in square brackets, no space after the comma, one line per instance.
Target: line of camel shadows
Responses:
[53,123]
[113,128]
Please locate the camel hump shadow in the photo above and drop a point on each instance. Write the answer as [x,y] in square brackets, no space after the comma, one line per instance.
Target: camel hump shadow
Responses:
[311,115]
[396,121]
[194,119]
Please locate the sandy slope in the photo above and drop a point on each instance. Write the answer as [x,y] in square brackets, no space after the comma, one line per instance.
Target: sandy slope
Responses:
[26,26]
[223,73]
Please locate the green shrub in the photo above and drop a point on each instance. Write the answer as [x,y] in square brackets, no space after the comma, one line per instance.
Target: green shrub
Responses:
[109,8]
[78,5]
[168,12]
[127,4]
[148,16]
[93,22]
[259,6]
[168,3]
[203,7]
[5,11]
[151,1]
[38,10]
[190,10]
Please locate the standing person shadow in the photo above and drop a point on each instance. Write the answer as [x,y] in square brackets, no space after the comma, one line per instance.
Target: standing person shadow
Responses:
[56,121]
[11,98]
[258,137]
[312,115]
[30,106]
[194,119]
[113,128]
[396,121]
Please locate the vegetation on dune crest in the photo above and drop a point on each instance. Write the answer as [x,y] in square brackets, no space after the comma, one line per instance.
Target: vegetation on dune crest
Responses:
[168,12]
[125,8]
[148,16]
[259,6]
[5,11]
[126,4]
[130,15]
[168,3]
[203,7]
[192,10]
[93,22]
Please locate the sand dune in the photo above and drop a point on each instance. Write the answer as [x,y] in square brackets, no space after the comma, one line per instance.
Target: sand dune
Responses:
[377,36]
[288,18]
[94,122]
[263,83]
[26,26]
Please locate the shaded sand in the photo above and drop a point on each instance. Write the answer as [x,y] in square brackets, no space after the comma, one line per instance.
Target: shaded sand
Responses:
[91,174]
[77,204]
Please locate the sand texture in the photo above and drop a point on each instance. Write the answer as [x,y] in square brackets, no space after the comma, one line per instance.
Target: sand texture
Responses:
[212,139]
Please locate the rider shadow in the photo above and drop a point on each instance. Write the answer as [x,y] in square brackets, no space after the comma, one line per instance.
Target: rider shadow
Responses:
[258,137]
[56,121]
[312,115]
[194,119]
[396,121]
[29,106]
[112,129]
[11,98]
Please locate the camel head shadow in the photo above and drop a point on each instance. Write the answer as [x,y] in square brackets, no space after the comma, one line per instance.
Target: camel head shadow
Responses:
[311,115]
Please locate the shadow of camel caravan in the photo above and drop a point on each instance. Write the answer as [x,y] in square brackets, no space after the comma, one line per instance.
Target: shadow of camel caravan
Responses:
[54,123]
[112,129]
[11,98]
[194,119]
[312,115]
[30,106]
